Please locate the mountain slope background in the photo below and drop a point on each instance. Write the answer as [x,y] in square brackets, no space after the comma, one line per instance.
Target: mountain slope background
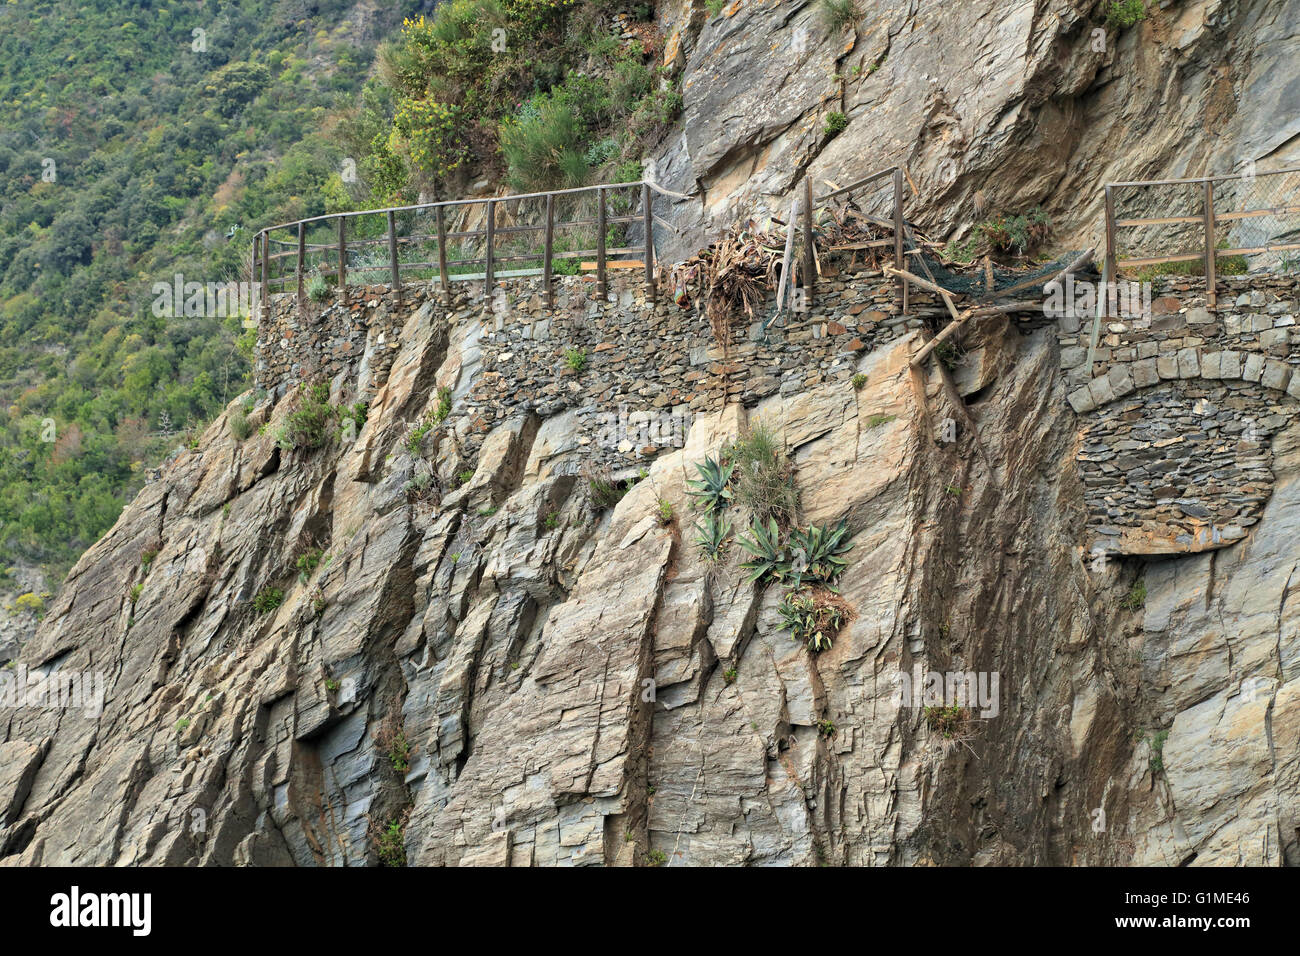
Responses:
[139,140]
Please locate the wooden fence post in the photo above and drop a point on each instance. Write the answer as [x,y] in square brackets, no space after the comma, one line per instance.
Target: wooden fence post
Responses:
[549,245]
[809,267]
[343,260]
[302,255]
[442,256]
[600,242]
[491,228]
[647,216]
[1111,256]
[266,266]
[252,279]
[898,237]
[1210,277]
[392,253]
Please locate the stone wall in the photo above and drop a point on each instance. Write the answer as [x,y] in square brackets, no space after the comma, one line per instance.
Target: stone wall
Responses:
[1178,411]
[630,372]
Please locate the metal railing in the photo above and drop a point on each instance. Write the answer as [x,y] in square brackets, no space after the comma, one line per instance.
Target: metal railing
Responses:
[1268,208]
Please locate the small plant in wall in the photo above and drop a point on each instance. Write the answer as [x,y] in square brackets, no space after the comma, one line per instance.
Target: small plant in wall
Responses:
[712,490]
[268,599]
[836,123]
[813,616]
[712,535]
[575,360]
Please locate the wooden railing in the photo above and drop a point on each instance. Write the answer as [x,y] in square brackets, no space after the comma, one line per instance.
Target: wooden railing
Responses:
[1275,193]
[286,254]
[283,256]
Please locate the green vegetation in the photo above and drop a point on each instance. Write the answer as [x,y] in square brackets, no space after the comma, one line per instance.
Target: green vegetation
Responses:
[463,476]
[240,427]
[656,858]
[182,724]
[1001,236]
[575,359]
[551,521]
[947,722]
[542,84]
[1136,599]
[812,617]
[1234,265]
[391,844]
[711,536]
[134,594]
[268,599]
[764,477]
[444,405]
[1158,751]
[836,123]
[729,675]
[1123,14]
[838,14]
[711,491]
[399,752]
[665,511]
[310,425]
[28,603]
[826,728]
[813,555]
[875,421]
[415,440]
[605,492]
[859,381]
[316,286]
[307,563]
[132,149]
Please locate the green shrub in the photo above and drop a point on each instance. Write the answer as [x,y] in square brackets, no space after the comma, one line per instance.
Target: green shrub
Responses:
[711,535]
[268,599]
[134,594]
[415,440]
[715,6]
[399,752]
[768,561]
[310,425]
[859,381]
[604,492]
[307,563]
[444,404]
[463,477]
[391,845]
[659,857]
[665,511]
[1123,14]
[240,427]
[826,728]
[875,421]
[763,481]
[1158,751]
[838,14]
[318,289]
[811,618]
[947,722]
[836,123]
[575,359]
[821,551]
[1136,599]
[712,490]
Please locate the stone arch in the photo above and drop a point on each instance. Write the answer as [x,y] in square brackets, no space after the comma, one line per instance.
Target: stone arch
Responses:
[1182,464]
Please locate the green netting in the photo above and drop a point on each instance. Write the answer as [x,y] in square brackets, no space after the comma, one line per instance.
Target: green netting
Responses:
[974,283]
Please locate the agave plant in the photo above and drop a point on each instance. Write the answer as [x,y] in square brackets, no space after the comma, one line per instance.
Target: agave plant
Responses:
[817,553]
[769,560]
[711,535]
[809,621]
[712,488]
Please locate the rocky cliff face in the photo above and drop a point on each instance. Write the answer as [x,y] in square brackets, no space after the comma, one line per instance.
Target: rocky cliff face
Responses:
[501,670]
[992,107]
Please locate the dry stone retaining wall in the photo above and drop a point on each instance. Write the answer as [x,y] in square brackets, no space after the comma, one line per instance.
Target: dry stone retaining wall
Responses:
[646,368]
[1178,411]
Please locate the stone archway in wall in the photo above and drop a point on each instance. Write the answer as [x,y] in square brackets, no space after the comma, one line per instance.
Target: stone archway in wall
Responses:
[1180,466]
